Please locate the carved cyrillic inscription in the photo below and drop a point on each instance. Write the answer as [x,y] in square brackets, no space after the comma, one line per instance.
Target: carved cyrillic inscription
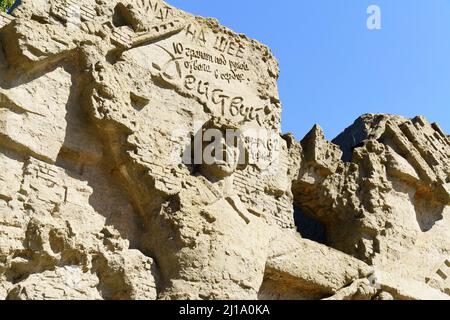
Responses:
[228,46]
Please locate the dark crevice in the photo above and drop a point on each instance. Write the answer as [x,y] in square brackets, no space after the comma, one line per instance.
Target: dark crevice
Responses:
[308,227]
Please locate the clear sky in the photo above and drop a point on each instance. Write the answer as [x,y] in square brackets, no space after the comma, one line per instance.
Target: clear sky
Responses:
[334,69]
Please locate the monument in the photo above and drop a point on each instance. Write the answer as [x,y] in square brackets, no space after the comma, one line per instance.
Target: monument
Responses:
[142,158]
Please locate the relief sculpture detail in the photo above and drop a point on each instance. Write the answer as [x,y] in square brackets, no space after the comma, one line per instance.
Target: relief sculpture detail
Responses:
[142,157]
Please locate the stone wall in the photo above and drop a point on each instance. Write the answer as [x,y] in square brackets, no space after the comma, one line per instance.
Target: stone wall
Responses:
[104,109]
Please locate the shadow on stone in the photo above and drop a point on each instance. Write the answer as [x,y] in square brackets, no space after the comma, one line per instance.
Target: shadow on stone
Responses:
[309,227]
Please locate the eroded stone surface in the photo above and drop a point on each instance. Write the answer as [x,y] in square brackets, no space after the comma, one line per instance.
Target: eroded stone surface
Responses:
[101,196]
[389,196]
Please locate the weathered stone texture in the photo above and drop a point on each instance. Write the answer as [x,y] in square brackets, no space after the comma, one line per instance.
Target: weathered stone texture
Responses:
[101,196]
[389,196]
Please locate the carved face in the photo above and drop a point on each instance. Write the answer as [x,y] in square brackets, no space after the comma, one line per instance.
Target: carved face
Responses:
[220,159]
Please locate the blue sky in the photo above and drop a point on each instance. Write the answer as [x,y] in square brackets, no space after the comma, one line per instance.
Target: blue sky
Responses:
[334,69]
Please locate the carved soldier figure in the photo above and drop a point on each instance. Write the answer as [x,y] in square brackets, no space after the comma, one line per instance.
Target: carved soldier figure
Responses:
[199,224]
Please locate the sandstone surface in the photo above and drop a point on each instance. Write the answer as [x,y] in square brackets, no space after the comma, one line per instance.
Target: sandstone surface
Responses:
[105,107]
